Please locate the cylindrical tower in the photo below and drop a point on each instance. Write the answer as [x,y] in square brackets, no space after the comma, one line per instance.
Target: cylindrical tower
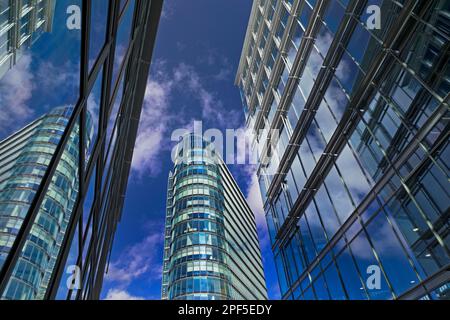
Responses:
[35,265]
[198,267]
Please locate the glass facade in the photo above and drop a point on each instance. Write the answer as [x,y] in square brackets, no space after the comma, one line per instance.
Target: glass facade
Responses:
[71,98]
[211,247]
[25,157]
[359,186]
[21,24]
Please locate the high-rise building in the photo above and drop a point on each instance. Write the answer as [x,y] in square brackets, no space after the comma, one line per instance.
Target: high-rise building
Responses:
[24,157]
[63,178]
[21,23]
[211,249]
[356,187]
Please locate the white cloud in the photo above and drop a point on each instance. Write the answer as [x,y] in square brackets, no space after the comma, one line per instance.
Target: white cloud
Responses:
[159,114]
[223,74]
[255,202]
[66,76]
[117,294]
[15,91]
[213,108]
[168,10]
[153,126]
[146,151]
[247,172]
[139,260]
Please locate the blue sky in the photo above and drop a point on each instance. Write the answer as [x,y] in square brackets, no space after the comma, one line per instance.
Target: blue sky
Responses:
[195,60]
[28,91]
[192,78]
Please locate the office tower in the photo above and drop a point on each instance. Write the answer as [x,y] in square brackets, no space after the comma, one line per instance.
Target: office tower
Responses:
[21,23]
[64,176]
[211,249]
[356,188]
[24,157]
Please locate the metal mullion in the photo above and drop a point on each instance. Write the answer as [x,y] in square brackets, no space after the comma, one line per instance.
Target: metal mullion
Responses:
[115,129]
[114,150]
[124,9]
[121,72]
[37,201]
[270,39]
[109,63]
[303,49]
[93,77]
[83,115]
[142,64]
[114,94]
[248,35]
[99,173]
[80,234]
[100,61]
[28,222]
[96,160]
[83,237]
[122,68]
[105,99]
[94,245]
[276,69]
[100,138]
[376,254]
[298,66]
[373,195]
[52,289]
[347,121]
[431,157]
[103,250]
[107,219]
[93,219]
[300,62]
[101,260]
[322,81]
[113,25]
[145,52]
[427,285]
[91,243]
[111,219]
[82,126]
[113,97]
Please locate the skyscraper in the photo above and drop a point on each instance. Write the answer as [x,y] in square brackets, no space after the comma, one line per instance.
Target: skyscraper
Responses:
[64,176]
[24,157]
[21,23]
[356,188]
[211,249]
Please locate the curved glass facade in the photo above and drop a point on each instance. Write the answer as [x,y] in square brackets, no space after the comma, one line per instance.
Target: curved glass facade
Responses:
[199,254]
[27,162]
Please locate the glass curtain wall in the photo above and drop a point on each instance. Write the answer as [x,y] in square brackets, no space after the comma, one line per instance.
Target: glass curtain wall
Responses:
[70,100]
[360,181]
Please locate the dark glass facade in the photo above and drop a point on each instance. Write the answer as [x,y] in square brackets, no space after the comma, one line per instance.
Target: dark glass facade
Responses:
[211,245]
[63,177]
[357,194]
